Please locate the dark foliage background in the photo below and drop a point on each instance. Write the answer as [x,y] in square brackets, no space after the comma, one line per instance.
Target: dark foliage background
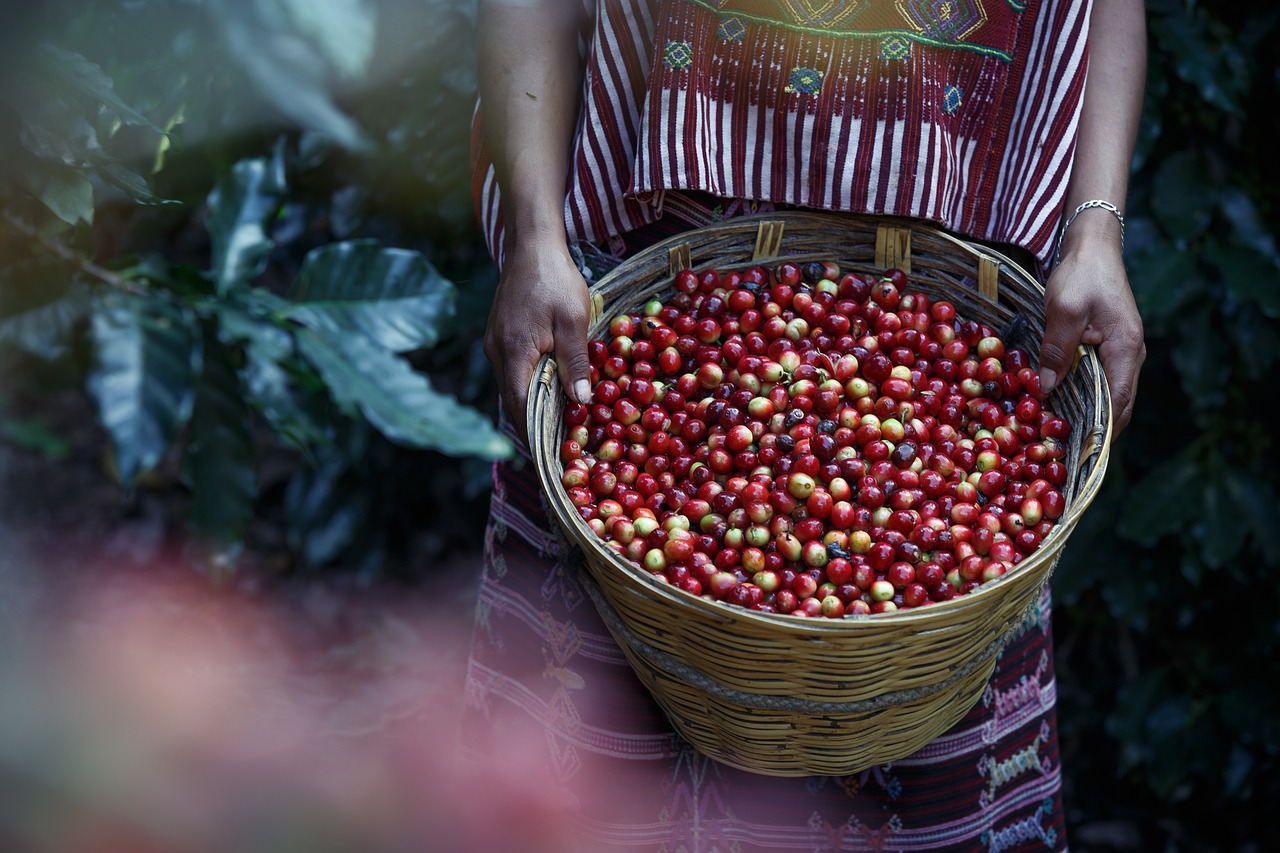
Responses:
[206,160]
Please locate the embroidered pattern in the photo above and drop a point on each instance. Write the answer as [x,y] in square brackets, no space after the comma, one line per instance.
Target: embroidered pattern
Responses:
[1027,829]
[895,47]
[677,55]
[952,98]
[1001,773]
[732,28]
[805,81]
[948,21]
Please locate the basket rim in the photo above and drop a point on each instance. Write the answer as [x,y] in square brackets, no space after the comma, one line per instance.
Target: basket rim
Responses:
[543,383]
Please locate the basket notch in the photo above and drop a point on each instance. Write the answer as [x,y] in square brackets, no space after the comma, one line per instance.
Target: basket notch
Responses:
[893,247]
[679,258]
[989,277]
[768,240]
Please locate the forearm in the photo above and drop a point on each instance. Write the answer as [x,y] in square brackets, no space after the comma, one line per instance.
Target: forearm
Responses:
[529,84]
[1109,119]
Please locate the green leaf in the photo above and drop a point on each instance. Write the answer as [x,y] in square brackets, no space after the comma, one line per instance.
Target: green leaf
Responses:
[268,374]
[1257,341]
[219,462]
[1249,274]
[1197,61]
[45,331]
[394,297]
[1223,529]
[1163,502]
[34,434]
[1182,198]
[66,191]
[240,209]
[1162,278]
[325,511]
[147,357]
[89,79]
[1254,499]
[397,400]
[1203,357]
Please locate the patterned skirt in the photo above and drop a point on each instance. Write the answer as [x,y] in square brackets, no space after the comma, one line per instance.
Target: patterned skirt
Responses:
[543,664]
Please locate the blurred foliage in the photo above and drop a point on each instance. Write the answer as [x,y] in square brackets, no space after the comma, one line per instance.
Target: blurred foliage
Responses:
[228,222]
[1167,597]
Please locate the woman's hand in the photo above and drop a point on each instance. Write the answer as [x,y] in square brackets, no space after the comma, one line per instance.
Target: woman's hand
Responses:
[541,307]
[1088,300]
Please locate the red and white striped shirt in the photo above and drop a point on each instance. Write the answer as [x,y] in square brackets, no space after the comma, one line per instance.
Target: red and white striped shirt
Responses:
[961,112]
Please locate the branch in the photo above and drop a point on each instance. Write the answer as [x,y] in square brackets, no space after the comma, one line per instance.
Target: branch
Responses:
[85,265]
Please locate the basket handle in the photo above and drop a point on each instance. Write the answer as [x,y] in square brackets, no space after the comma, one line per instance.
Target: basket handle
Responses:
[893,247]
[768,239]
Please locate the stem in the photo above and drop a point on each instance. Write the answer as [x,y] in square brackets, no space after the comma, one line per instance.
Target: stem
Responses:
[85,265]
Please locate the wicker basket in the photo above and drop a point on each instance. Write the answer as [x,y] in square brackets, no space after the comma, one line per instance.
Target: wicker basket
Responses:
[784,696]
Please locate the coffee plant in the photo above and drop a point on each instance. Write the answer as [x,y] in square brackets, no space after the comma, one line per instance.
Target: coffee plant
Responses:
[283,307]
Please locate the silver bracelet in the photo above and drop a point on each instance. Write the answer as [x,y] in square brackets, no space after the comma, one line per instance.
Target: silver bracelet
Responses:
[1093,202]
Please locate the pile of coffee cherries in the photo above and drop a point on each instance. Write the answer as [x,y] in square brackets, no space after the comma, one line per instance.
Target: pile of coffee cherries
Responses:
[795,439]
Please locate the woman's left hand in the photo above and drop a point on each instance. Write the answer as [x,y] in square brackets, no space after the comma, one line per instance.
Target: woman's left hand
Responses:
[1088,300]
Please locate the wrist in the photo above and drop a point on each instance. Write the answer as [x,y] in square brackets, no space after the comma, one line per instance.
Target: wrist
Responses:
[1092,230]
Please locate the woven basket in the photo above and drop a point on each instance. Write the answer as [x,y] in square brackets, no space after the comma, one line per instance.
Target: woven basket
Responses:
[784,696]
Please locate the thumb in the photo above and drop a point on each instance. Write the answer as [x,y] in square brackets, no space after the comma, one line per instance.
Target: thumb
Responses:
[1062,332]
[571,354]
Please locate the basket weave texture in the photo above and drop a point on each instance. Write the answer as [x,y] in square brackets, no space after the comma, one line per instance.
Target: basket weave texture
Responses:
[784,696]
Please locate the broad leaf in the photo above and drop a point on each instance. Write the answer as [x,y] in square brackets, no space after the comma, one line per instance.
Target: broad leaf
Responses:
[1182,197]
[1163,502]
[219,463]
[44,331]
[271,387]
[398,401]
[66,191]
[74,70]
[1250,275]
[393,296]
[324,505]
[240,210]
[1254,501]
[1162,279]
[147,357]
[1257,341]
[1223,529]
[1203,358]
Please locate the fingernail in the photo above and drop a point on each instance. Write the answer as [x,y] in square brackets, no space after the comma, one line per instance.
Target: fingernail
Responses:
[1047,380]
[582,390]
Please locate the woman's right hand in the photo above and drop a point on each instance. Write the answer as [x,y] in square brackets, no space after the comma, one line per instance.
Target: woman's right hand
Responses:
[541,307]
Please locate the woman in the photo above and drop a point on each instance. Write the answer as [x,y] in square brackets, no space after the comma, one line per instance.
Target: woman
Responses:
[660,116]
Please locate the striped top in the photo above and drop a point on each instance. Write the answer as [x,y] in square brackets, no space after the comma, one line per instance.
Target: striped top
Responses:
[960,112]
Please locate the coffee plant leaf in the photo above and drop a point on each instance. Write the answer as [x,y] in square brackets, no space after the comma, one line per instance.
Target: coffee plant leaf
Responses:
[147,356]
[45,331]
[241,208]
[397,400]
[1202,357]
[1254,500]
[1249,274]
[393,296]
[1182,196]
[219,462]
[75,71]
[66,191]
[1163,502]
[1221,538]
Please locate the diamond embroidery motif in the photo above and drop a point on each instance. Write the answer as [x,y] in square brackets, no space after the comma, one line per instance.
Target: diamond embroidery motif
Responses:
[806,81]
[677,55]
[952,98]
[732,28]
[945,20]
[895,47]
